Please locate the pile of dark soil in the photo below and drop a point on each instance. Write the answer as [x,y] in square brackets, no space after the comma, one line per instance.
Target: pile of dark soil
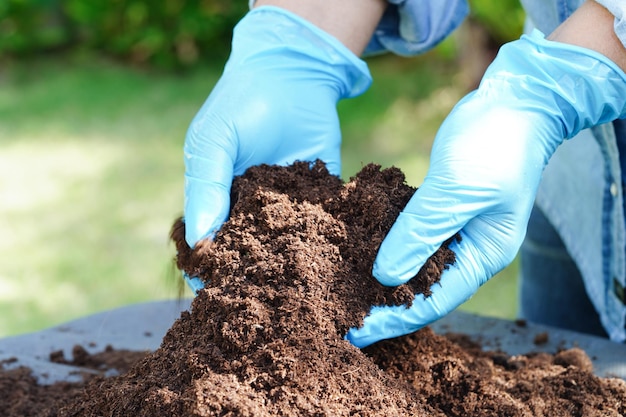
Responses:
[286,277]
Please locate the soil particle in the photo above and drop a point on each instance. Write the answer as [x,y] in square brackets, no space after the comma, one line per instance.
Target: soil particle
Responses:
[287,275]
[541,338]
[109,359]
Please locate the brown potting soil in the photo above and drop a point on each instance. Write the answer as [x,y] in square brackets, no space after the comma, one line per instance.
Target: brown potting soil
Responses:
[287,275]
[21,395]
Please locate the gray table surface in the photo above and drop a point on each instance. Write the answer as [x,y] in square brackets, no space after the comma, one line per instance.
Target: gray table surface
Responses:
[141,327]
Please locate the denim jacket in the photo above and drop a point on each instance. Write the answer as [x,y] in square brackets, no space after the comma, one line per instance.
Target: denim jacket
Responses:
[581,192]
[410,27]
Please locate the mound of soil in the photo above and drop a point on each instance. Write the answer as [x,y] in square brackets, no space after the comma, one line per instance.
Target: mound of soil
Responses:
[286,277]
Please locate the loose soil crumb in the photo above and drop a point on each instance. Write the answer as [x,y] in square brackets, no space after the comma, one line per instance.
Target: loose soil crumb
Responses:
[109,359]
[21,395]
[286,277]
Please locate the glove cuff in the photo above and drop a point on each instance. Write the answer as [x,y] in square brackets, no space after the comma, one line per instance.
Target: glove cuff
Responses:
[579,87]
[273,30]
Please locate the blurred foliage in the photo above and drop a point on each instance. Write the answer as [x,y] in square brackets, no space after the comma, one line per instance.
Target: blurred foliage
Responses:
[29,25]
[166,34]
[502,19]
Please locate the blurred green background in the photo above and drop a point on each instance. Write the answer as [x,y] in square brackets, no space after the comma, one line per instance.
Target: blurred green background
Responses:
[95,99]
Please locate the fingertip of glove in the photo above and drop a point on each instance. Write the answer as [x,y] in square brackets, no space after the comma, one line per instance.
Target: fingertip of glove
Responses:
[356,341]
[191,236]
[194,283]
[205,213]
[202,224]
[386,275]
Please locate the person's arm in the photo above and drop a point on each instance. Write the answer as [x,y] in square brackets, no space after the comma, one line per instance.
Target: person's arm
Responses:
[591,27]
[352,22]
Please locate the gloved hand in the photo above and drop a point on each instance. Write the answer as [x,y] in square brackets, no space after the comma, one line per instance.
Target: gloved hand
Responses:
[486,164]
[275,103]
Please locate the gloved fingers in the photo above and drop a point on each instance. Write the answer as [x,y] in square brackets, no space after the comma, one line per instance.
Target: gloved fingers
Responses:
[491,232]
[386,322]
[457,285]
[208,179]
[263,132]
[194,283]
[251,124]
[432,216]
[475,172]
[206,208]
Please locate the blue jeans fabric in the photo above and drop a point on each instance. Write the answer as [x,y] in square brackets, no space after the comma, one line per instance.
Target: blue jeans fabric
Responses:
[551,288]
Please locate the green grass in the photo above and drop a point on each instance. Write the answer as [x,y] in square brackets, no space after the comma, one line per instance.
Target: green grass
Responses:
[91,176]
[91,179]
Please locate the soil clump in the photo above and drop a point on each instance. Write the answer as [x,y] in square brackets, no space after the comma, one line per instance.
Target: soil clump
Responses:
[285,278]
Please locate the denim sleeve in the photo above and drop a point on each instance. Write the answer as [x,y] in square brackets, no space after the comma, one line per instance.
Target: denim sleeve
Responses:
[617,9]
[411,27]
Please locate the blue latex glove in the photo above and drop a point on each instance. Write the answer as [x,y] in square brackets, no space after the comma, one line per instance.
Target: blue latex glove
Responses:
[275,103]
[486,164]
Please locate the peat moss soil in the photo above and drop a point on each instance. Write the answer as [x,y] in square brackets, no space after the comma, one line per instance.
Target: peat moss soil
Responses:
[286,277]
